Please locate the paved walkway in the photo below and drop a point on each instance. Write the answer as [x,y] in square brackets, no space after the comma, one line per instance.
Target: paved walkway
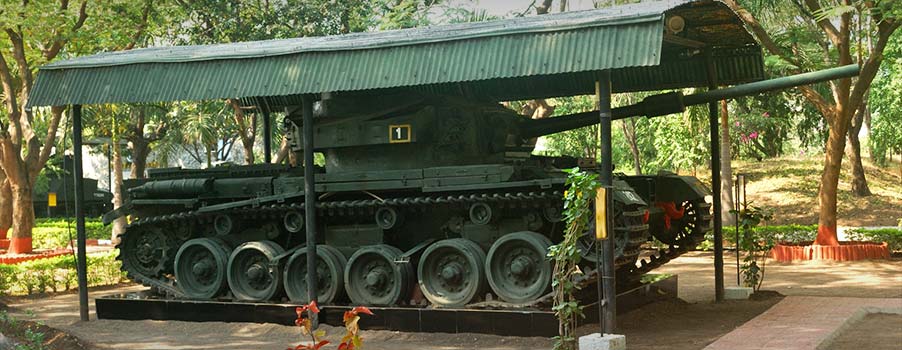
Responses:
[802,322]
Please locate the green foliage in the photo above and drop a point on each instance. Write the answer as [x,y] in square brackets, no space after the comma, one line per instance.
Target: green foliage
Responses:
[581,187]
[760,126]
[579,143]
[670,143]
[777,233]
[58,274]
[55,233]
[892,236]
[886,104]
[28,339]
[756,245]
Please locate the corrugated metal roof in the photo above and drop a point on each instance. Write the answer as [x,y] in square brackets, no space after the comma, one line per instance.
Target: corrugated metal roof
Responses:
[550,51]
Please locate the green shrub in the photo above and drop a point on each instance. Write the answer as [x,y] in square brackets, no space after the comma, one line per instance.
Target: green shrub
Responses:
[54,233]
[58,274]
[892,236]
[778,233]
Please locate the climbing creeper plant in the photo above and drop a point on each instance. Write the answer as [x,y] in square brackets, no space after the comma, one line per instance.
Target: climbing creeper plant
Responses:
[577,212]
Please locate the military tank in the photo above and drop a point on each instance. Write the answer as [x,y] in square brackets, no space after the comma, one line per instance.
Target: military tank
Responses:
[58,198]
[419,194]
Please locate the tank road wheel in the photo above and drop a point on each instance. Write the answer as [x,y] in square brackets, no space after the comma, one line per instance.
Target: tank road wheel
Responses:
[200,267]
[372,276]
[146,251]
[251,277]
[330,268]
[517,268]
[452,272]
[689,226]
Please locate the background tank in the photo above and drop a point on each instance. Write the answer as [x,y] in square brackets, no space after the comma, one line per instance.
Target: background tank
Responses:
[62,184]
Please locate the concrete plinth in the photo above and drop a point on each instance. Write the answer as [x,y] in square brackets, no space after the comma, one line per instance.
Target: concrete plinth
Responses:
[737,293]
[595,341]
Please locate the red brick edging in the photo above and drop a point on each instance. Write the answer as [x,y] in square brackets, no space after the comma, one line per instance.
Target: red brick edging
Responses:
[6,259]
[845,251]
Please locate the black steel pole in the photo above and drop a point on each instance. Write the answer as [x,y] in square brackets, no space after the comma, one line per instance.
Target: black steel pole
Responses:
[267,132]
[82,263]
[609,284]
[714,124]
[309,198]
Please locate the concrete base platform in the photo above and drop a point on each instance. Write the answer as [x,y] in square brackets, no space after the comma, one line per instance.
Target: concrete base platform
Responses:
[798,323]
[596,341]
[737,293]
[510,322]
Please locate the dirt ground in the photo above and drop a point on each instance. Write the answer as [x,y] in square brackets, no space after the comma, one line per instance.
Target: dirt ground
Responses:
[675,324]
[865,279]
[875,331]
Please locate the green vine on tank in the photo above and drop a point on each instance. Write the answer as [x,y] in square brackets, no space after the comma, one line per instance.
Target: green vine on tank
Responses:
[566,256]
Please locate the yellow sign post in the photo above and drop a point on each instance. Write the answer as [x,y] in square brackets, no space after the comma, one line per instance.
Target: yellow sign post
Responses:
[51,199]
[601,213]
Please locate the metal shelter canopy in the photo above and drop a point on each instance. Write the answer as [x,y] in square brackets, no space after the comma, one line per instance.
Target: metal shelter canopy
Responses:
[643,45]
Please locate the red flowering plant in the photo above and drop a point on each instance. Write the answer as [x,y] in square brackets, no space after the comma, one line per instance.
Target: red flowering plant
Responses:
[307,328]
[351,339]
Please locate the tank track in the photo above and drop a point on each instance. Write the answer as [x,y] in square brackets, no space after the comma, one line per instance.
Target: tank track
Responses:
[162,283]
[681,246]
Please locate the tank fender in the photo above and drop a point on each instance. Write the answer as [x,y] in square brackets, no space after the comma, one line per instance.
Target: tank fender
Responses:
[625,194]
[676,188]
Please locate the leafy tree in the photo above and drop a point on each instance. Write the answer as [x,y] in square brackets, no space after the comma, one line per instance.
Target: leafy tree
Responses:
[33,33]
[808,36]
[886,100]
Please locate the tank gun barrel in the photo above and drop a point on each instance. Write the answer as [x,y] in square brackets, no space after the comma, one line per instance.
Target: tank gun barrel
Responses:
[675,102]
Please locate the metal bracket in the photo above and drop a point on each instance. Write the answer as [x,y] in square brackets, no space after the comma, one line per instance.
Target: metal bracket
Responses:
[405,258]
[275,260]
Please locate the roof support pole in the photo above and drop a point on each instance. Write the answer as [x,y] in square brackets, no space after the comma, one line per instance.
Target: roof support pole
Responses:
[608,283]
[267,133]
[714,124]
[309,200]
[82,263]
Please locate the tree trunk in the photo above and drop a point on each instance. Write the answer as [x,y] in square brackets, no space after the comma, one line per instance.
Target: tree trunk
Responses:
[23,220]
[282,154]
[247,130]
[6,206]
[629,132]
[859,183]
[726,167]
[826,223]
[118,224]
[140,150]
[210,150]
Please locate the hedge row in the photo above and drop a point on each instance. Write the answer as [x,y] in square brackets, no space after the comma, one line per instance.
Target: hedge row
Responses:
[807,233]
[780,233]
[55,233]
[892,236]
[58,274]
